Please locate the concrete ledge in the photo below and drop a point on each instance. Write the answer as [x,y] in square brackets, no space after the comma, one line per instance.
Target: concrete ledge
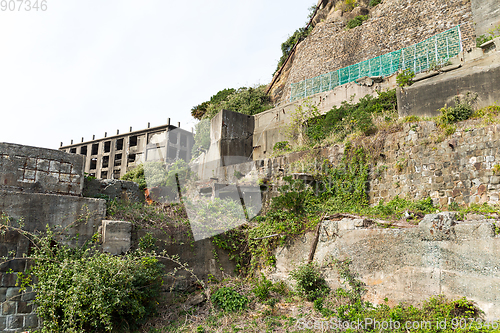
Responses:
[450,68]
[423,76]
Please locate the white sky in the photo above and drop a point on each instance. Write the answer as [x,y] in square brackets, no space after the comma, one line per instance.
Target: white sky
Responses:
[86,67]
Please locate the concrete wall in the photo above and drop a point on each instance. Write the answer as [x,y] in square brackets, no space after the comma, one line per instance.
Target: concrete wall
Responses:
[393,24]
[403,264]
[38,170]
[486,15]
[481,76]
[230,143]
[38,187]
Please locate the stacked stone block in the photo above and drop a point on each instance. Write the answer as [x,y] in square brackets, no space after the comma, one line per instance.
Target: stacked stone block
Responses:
[17,312]
[393,24]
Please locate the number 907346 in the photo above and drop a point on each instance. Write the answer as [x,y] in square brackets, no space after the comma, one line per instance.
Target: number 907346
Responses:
[23,5]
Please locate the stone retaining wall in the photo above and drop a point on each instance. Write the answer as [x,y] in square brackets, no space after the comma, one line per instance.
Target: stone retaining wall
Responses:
[393,24]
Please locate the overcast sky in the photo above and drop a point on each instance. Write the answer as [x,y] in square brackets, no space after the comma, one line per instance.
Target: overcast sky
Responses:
[88,67]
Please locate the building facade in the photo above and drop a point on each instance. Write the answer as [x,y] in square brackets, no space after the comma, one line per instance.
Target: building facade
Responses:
[111,157]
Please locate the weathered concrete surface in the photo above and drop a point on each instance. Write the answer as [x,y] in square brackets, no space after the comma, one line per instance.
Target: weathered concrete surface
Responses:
[114,189]
[203,257]
[39,170]
[230,143]
[486,15]
[81,216]
[426,97]
[403,266]
[116,236]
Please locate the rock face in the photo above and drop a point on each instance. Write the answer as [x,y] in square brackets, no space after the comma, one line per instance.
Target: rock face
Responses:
[393,24]
[439,256]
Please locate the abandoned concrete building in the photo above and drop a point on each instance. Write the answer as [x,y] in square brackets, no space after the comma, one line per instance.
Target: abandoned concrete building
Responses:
[111,157]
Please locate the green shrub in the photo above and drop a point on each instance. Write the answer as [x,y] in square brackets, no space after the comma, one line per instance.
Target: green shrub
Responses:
[282,146]
[84,290]
[405,78]
[262,288]
[463,110]
[246,100]
[373,3]
[136,175]
[229,299]
[357,21]
[310,283]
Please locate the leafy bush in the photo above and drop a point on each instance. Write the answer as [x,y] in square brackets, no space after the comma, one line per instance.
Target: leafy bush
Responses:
[84,290]
[405,78]
[201,138]
[282,146]
[357,21]
[229,299]
[136,175]
[463,110]
[310,283]
[250,101]
[373,3]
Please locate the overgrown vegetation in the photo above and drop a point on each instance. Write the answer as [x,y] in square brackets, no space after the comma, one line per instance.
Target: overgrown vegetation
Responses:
[228,299]
[490,35]
[309,282]
[462,110]
[81,289]
[350,118]
[266,306]
[246,100]
[157,173]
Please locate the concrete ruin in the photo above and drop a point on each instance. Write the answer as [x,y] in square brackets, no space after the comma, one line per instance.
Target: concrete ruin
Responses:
[39,188]
[111,157]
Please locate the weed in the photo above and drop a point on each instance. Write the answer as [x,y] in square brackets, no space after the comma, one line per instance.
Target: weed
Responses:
[310,283]
[401,164]
[404,78]
[496,169]
[411,119]
[351,118]
[463,110]
[373,3]
[492,33]
[282,146]
[346,5]
[229,299]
